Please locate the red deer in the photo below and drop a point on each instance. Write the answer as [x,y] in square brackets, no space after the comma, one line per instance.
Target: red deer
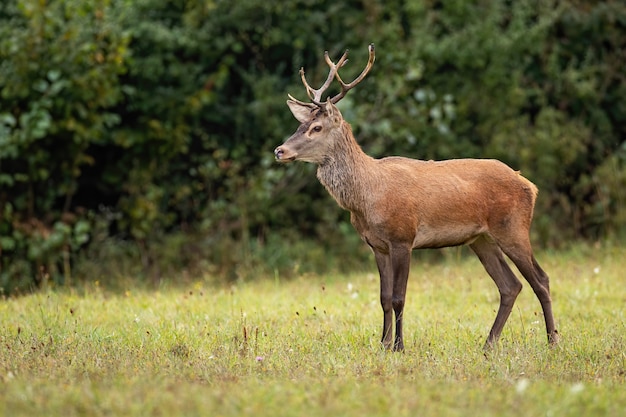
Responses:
[399,204]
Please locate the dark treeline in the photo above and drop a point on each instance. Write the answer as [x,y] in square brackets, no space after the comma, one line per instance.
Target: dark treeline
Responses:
[144,129]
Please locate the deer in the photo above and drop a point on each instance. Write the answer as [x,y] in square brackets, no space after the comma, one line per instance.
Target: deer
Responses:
[398,204]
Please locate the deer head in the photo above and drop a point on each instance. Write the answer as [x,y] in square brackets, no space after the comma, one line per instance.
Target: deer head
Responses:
[320,121]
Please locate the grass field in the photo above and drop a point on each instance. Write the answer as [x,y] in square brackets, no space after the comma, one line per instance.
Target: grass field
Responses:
[310,347]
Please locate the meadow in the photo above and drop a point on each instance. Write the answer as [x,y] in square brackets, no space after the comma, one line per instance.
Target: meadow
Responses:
[309,346]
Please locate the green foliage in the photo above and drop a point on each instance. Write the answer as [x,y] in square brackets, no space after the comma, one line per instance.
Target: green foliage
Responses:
[144,121]
[60,63]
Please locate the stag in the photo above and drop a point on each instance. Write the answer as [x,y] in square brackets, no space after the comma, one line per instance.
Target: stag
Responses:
[398,204]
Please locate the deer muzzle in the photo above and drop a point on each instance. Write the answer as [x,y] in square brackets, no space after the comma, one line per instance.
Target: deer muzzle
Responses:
[284,155]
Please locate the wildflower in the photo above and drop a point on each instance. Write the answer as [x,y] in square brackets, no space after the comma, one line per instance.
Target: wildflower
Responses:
[577,387]
[521,385]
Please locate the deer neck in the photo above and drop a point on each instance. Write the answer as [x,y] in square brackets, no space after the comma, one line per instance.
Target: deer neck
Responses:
[345,173]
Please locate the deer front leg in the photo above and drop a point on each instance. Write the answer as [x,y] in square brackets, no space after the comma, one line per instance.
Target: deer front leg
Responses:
[394,272]
[401,262]
[383,262]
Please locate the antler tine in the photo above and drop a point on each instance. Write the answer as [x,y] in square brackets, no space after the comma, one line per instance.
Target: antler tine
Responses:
[316,94]
[346,87]
[342,61]
[292,98]
[313,94]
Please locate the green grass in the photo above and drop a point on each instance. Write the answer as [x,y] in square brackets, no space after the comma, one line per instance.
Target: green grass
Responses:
[310,347]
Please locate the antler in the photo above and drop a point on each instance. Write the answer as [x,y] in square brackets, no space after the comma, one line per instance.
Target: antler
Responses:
[316,94]
[346,87]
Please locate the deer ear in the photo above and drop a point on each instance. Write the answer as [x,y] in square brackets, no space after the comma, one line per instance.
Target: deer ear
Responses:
[333,112]
[301,111]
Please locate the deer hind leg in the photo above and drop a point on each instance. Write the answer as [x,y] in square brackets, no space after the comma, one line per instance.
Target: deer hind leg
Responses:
[509,286]
[522,256]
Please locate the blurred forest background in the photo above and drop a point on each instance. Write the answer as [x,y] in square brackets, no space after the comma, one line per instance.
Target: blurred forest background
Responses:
[136,136]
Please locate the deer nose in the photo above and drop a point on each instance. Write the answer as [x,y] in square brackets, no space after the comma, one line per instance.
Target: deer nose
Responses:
[278,153]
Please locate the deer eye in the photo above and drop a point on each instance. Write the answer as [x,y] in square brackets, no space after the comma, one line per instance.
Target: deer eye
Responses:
[317,128]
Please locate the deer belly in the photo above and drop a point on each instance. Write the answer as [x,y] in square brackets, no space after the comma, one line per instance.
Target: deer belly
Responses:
[450,235]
